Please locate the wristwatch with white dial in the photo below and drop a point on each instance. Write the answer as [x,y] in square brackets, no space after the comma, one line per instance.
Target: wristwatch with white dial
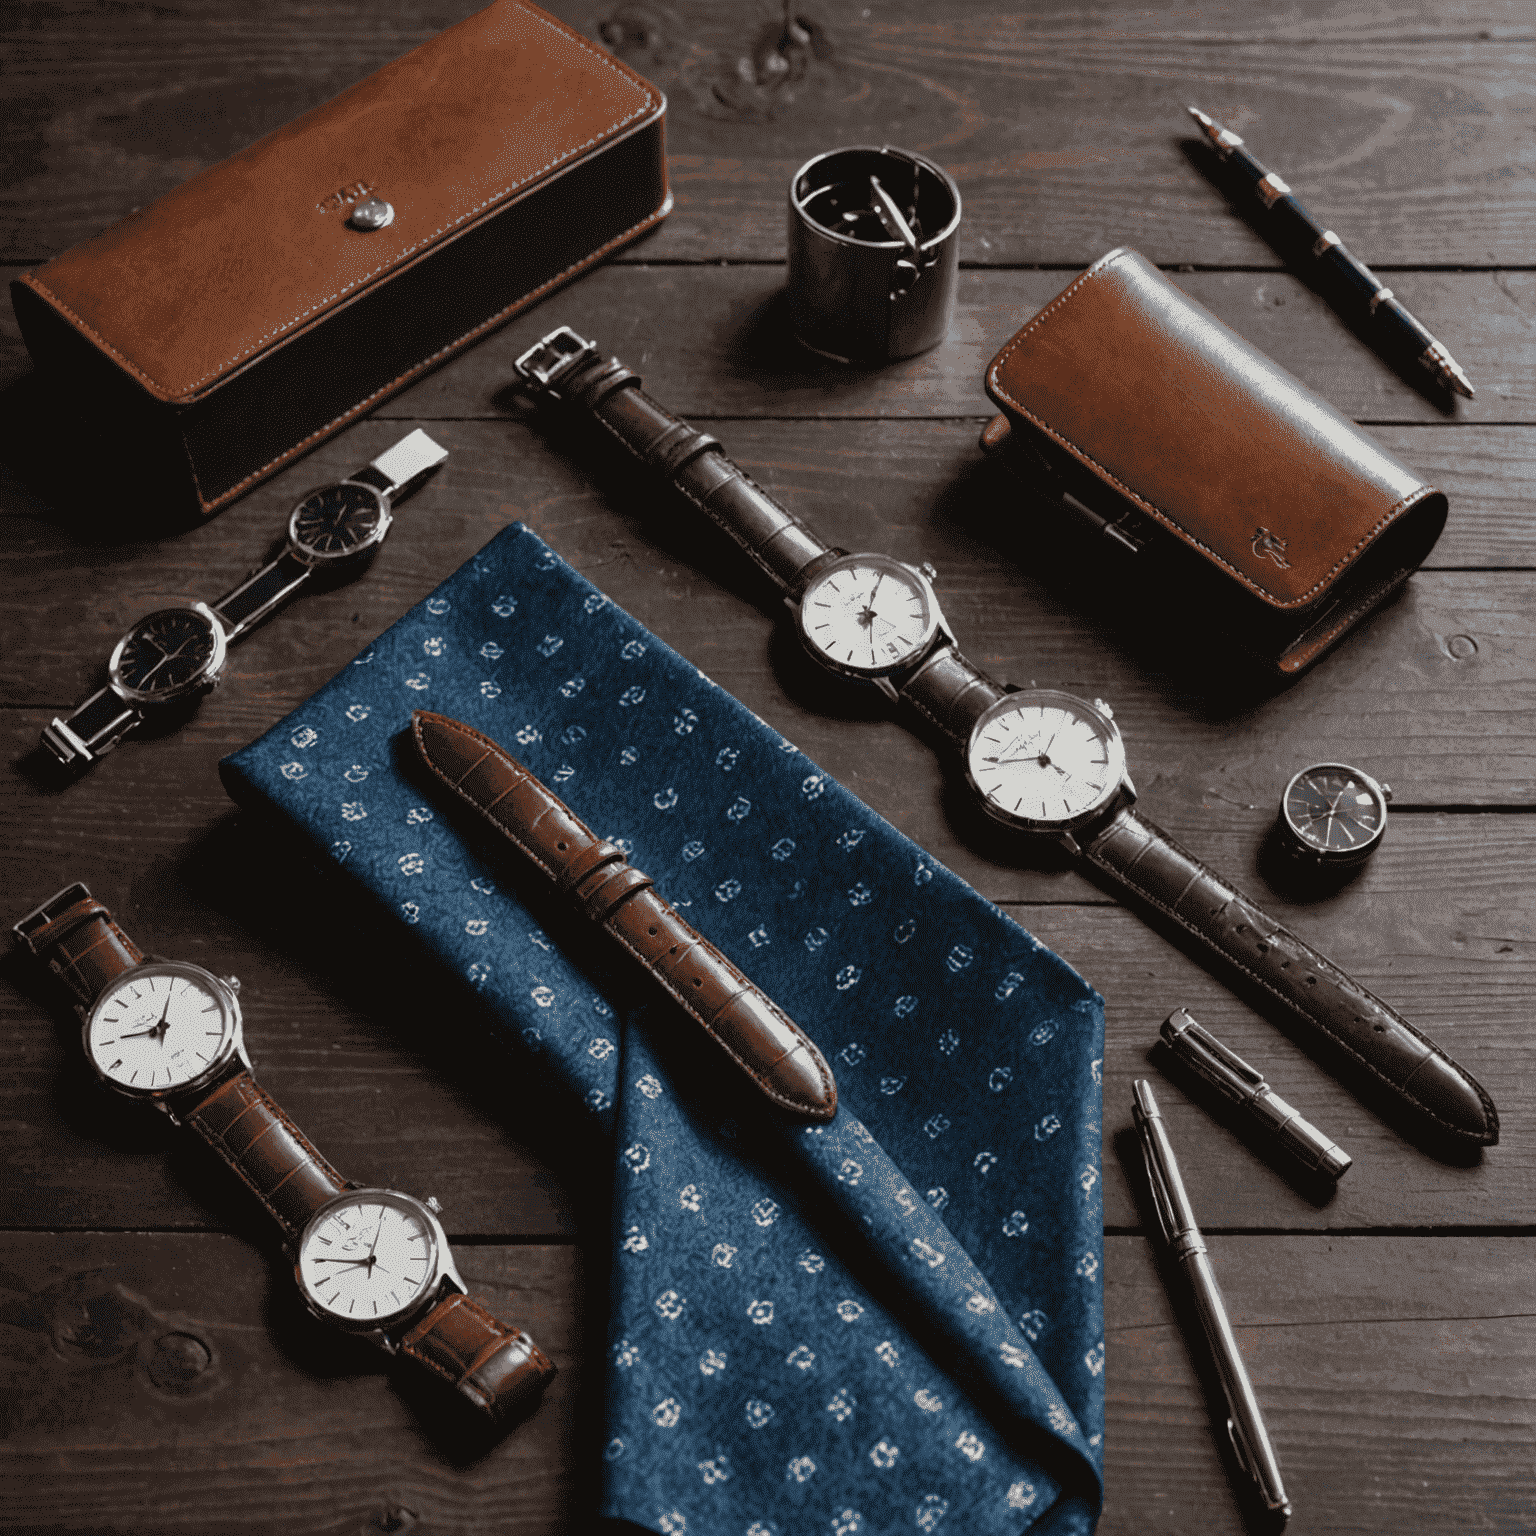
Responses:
[373,1262]
[865,616]
[175,655]
[1332,817]
[1053,764]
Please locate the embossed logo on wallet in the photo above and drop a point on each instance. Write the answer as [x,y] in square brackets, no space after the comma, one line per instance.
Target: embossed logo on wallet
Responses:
[343,197]
[1271,544]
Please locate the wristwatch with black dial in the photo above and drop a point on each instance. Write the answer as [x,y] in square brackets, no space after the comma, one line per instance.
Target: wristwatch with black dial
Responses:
[1043,762]
[1332,817]
[373,1262]
[175,655]
[864,616]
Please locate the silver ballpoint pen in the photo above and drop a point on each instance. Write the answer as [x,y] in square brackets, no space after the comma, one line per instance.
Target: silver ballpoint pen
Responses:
[1245,1422]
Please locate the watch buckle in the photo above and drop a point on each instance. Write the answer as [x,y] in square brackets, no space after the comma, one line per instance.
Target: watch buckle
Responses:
[67,747]
[43,914]
[555,355]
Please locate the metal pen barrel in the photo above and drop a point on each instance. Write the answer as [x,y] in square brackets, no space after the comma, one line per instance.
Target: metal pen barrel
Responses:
[1245,1421]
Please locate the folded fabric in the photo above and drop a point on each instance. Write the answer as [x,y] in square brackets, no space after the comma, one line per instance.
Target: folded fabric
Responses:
[890,1322]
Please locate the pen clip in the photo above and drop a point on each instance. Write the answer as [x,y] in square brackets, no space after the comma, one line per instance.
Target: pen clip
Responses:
[1151,1156]
[1215,1062]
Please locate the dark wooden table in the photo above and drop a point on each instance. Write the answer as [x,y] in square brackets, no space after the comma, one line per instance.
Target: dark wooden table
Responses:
[156,1374]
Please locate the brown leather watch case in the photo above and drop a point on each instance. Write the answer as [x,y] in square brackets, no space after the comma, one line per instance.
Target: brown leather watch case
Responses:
[1247,499]
[242,318]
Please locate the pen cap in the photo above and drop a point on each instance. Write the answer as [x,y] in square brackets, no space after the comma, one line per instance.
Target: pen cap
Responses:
[872,277]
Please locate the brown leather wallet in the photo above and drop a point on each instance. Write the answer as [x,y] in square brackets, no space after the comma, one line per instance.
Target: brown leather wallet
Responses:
[247,315]
[1241,492]
[742,1020]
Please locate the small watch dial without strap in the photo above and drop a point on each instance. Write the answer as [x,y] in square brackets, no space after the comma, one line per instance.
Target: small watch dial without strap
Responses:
[156,1031]
[867,616]
[1331,808]
[165,650]
[368,1260]
[336,520]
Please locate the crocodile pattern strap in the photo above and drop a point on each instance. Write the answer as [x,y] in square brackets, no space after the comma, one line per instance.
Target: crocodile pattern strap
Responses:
[243,1124]
[776,540]
[497,1367]
[758,1035]
[951,693]
[1136,856]
[74,935]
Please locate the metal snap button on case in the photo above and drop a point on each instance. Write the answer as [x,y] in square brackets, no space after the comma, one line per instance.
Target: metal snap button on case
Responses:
[372,213]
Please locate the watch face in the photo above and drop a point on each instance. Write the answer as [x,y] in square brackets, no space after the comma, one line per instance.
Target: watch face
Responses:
[368,1256]
[160,1027]
[1045,760]
[168,654]
[867,614]
[338,520]
[1335,811]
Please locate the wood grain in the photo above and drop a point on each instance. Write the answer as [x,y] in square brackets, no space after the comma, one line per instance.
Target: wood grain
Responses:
[1390,1407]
[1065,129]
[156,1383]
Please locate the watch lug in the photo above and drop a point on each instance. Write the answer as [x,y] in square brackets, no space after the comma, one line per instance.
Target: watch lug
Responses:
[381,1340]
[1070,843]
[887,687]
[1127,793]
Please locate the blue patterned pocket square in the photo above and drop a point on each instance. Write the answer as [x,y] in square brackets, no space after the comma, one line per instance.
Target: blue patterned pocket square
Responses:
[892,1322]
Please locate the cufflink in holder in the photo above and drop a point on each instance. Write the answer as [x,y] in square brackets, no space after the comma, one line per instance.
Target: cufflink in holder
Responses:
[873,253]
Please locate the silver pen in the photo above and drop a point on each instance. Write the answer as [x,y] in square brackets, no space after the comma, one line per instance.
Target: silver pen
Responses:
[1245,1423]
[1227,1072]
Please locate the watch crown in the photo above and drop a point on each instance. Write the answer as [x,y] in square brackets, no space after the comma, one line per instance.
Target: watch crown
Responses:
[1386,791]
[434,1205]
[927,569]
[232,982]
[1104,709]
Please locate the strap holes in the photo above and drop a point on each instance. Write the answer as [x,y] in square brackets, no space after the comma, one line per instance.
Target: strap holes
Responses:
[1311,981]
[561,847]
[652,932]
[1380,1029]
[1263,948]
[698,981]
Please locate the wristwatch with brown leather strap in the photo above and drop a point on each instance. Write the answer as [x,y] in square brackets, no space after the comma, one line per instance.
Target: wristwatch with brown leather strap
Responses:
[371,1261]
[867,616]
[1046,763]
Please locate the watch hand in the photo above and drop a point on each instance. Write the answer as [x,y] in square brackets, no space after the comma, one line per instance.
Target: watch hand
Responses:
[342,1261]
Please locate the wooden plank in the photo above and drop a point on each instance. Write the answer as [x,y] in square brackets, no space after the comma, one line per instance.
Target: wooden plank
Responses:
[155,1383]
[1395,1374]
[714,342]
[1061,127]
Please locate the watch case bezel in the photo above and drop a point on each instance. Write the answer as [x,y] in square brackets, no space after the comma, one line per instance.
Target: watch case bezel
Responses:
[232,1044]
[379,1329]
[323,558]
[1295,841]
[206,678]
[1118,776]
[932,625]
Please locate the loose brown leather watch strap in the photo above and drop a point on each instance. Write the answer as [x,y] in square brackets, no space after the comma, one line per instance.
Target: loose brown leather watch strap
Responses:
[243,1123]
[74,935]
[1138,856]
[762,1039]
[498,1368]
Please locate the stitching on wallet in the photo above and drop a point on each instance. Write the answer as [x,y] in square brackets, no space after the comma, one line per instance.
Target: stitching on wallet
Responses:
[1332,971]
[995,375]
[394,261]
